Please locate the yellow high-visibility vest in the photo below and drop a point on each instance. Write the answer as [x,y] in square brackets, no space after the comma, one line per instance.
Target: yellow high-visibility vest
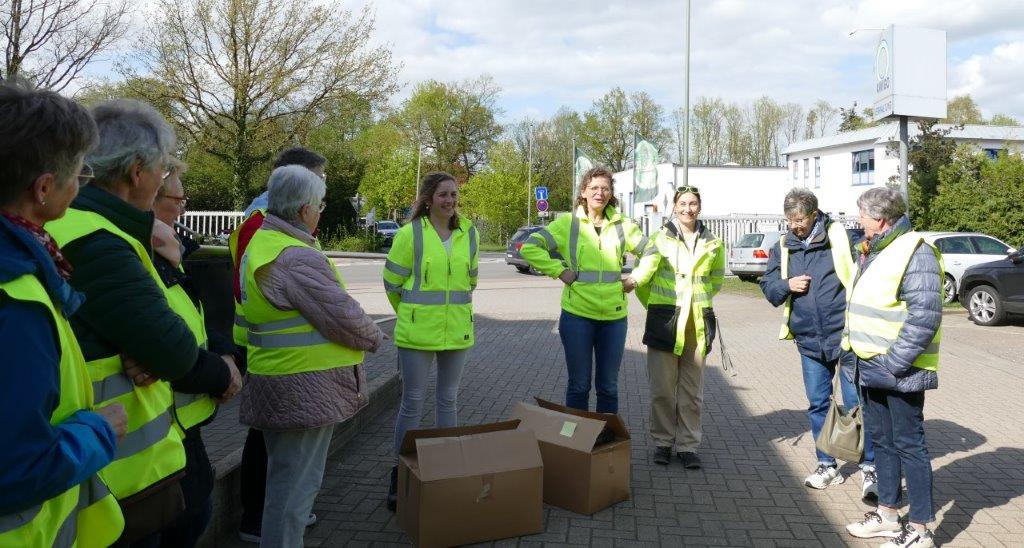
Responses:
[85,515]
[874,313]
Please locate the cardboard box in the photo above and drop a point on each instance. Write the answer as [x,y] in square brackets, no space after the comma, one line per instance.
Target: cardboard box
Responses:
[577,475]
[470,484]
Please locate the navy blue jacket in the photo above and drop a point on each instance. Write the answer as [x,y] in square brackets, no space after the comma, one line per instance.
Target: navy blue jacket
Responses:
[817,316]
[39,461]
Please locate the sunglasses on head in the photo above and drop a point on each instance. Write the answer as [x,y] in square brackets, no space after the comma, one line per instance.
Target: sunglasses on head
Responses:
[685,189]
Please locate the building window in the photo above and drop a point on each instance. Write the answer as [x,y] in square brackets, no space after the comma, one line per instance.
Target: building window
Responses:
[817,172]
[992,153]
[807,171]
[796,168]
[864,167]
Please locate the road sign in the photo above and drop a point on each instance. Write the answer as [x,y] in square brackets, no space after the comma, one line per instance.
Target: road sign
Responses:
[541,193]
[543,214]
[542,205]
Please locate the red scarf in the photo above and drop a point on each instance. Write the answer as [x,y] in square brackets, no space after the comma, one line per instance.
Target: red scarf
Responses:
[44,239]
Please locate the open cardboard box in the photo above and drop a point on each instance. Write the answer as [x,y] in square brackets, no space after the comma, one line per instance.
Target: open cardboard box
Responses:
[470,484]
[579,474]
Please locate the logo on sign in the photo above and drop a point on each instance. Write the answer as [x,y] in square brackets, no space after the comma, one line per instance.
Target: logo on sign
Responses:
[882,67]
[541,193]
[542,205]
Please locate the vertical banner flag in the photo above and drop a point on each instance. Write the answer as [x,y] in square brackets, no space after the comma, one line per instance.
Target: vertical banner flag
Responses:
[645,171]
[581,163]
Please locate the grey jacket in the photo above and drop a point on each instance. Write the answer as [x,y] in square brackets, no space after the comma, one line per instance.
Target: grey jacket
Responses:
[301,279]
[921,289]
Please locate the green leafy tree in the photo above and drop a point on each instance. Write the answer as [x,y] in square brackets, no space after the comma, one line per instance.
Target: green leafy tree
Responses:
[850,120]
[929,151]
[497,194]
[389,173]
[552,153]
[1004,120]
[976,193]
[246,76]
[963,110]
[609,127]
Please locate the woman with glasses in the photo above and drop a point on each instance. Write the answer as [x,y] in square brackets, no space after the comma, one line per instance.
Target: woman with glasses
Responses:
[585,250]
[678,275]
[306,338]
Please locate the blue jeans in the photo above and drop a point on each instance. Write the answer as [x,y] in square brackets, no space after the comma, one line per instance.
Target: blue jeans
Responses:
[896,420]
[592,345]
[818,375]
[415,369]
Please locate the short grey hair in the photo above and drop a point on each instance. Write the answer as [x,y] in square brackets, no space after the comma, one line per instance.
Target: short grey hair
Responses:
[290,188]
[130,131]
[882,203]
[800,200]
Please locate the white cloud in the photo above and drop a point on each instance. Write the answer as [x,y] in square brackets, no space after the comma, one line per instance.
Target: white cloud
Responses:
[993,79]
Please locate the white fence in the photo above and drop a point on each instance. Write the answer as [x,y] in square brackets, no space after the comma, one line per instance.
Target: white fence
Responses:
[731,228]
[211,223]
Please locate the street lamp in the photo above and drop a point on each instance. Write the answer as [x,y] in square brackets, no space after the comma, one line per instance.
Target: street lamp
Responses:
[686,105]
[529,172]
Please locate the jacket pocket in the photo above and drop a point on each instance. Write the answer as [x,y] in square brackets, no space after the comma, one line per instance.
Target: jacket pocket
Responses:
[710,328]
[660,327]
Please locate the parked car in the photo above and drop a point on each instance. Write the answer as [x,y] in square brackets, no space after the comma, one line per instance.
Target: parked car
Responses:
[962,250]
[512,255]
[386,231]
[991,290]
[748,257]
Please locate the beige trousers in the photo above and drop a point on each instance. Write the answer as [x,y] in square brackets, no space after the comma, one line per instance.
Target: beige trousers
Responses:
[677,394]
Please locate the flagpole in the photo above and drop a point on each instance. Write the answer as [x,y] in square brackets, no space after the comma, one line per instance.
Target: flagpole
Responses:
[572,185]
[529,173]
[686,108]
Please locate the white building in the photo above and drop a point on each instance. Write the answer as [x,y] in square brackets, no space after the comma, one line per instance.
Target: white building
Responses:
[840,167]
[724,190]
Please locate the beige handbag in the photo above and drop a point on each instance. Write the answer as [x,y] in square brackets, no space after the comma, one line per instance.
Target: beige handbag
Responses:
[842,435]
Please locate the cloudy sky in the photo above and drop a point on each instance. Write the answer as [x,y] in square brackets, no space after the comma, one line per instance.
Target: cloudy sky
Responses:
[549,53]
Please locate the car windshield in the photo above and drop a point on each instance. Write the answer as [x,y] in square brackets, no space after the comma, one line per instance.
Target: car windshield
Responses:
[390,225]
[749,240]
[523,233]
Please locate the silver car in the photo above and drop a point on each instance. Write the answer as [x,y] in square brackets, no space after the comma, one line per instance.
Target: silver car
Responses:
[748,256]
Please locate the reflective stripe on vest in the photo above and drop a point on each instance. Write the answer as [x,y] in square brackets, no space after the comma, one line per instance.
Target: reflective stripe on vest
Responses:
[418,296]
[282,342]
[59,521]
[874,313]
[133,471]
[842,263]
[238,330]
[593,276]
[190,409]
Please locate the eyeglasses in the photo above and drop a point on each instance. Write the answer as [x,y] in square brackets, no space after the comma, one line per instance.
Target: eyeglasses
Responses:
[86,175]
[182,200]
[323,206]
[685,189]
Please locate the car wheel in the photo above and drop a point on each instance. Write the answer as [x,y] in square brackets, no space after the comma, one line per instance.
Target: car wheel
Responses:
[746,278]
[948,289]
[523,269]
[984,306]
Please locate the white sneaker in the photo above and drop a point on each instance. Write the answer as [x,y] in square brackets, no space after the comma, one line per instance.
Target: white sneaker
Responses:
[874,525]
[824,475]
[868,485]
[909,537]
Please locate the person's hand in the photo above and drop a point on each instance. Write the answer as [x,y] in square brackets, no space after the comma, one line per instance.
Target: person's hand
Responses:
[116,416]
[799,284]
[629,284]
[236,380]
[165,243]
[567,276]
[135,372]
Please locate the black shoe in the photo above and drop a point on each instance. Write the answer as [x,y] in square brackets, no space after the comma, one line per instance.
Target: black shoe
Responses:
[662,455]
[690,460]
[393,490]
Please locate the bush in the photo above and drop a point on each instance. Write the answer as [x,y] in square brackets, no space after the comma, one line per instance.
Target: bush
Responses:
[356,240]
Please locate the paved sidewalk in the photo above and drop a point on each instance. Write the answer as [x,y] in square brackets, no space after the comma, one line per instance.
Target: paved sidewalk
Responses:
[756,448]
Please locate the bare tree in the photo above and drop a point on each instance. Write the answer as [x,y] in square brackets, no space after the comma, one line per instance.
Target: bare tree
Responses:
[793,119]
[50,42]
[706,128]
[825,116]
[246,75]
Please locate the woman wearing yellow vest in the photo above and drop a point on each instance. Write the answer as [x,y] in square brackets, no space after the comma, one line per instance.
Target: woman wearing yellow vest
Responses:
[127,319]
[585,250]
[55,438]
[677,277]
[306,341]
[191,410]
[893,325]
[429,277]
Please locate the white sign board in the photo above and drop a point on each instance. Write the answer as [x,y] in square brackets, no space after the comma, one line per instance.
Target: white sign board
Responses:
[910,73]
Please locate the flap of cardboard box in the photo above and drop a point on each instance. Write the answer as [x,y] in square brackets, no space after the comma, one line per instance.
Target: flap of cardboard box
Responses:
[613,421]
[409,441]
[572,431]
[477,454]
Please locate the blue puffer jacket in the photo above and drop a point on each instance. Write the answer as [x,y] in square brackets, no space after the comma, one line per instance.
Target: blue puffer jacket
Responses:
[817,317]
[921,289]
